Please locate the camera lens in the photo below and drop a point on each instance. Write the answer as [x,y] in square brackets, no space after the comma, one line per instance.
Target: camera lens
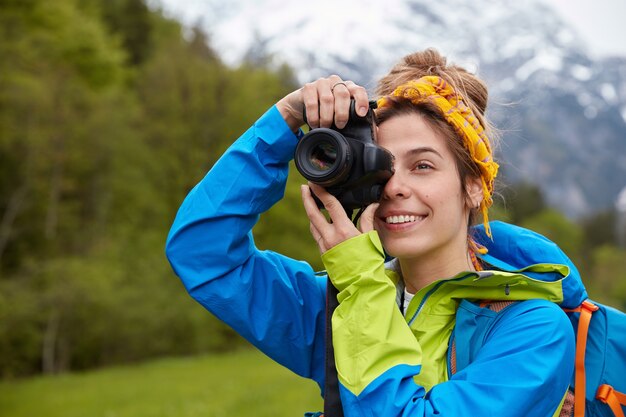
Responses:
[323,156]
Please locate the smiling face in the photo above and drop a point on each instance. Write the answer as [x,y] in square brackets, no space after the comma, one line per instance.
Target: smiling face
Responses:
[423,215]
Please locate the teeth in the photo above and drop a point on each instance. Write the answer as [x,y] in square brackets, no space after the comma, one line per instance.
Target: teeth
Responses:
[401,219]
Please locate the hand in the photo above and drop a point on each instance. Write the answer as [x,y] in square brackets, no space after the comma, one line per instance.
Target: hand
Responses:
[340,228]
[326,100]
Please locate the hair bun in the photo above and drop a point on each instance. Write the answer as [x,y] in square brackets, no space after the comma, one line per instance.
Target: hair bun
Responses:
[431,62]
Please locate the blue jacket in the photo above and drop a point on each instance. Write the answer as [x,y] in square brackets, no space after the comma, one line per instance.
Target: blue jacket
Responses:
[389,364]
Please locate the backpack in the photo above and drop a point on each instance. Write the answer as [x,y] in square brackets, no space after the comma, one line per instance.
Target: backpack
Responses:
[598,386]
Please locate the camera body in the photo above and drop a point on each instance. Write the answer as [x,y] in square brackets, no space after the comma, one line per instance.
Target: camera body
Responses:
[346,162]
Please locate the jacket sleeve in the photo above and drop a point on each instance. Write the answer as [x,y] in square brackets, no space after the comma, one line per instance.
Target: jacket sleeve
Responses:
[275,302]
[523,368]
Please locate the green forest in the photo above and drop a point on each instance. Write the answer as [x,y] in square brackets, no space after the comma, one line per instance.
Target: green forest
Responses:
[109,114]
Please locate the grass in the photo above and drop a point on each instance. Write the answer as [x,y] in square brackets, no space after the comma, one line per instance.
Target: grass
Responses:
[242,383]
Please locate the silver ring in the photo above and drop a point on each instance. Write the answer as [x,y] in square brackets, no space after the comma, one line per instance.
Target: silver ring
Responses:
[332,89]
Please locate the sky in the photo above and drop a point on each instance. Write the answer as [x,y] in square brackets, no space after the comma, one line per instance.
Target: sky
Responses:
[600,22]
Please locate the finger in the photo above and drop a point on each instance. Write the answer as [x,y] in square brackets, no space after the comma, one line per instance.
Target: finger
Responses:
[317,219]
[319,239]
[326,102]
[334,208]
[361,100]
[341,93]
[311,104]
[366,224]
[314,232]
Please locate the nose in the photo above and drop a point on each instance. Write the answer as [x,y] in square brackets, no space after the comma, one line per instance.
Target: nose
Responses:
[396,187]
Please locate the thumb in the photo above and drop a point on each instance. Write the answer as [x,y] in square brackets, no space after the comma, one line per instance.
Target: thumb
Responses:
[366,223]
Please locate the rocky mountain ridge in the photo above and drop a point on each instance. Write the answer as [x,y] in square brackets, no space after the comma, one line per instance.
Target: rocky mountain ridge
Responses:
[562,114]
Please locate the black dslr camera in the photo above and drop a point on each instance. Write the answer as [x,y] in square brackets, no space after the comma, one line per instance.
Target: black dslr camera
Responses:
[346,162]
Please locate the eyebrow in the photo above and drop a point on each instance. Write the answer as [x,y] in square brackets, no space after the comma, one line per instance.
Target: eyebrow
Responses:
[421,150]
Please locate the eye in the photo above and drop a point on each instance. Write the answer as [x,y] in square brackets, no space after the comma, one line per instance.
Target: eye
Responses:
[422,166]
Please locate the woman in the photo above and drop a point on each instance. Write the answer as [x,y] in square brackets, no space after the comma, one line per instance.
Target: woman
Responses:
[398,325]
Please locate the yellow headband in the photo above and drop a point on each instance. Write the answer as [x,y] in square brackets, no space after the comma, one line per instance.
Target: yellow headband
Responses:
[436,90]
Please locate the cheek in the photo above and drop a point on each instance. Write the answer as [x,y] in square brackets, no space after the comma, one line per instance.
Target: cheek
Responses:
[448,195]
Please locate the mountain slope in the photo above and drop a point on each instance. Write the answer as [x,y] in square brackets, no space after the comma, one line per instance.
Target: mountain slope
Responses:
[561,113]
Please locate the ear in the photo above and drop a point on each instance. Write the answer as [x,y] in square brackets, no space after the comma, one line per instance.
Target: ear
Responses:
[474,188]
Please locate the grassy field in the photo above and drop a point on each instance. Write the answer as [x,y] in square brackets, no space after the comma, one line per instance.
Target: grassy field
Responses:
[243,383]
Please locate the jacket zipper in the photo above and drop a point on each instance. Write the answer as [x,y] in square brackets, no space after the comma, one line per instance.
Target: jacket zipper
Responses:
[430,292]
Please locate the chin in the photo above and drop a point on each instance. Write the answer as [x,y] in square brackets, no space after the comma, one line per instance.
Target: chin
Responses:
[400,249]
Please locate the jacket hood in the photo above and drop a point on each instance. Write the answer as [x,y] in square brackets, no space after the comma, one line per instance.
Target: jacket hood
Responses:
[513,248]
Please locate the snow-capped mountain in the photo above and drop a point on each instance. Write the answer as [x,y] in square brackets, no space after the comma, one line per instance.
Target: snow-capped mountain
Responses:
[562,114]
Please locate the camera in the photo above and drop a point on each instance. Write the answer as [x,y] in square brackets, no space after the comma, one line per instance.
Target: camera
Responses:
[346,162]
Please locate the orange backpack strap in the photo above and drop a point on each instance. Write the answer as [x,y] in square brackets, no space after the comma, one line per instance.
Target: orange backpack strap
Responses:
[586,309]
[605,393]
[613,398]
[453,357]
[496,306]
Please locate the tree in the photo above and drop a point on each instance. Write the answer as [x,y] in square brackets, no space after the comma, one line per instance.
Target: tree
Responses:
[103,130]
[56,66]
[521,201]
[606,281]
[599,229]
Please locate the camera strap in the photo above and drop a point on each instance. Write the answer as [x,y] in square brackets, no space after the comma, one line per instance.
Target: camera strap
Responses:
[332,400]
